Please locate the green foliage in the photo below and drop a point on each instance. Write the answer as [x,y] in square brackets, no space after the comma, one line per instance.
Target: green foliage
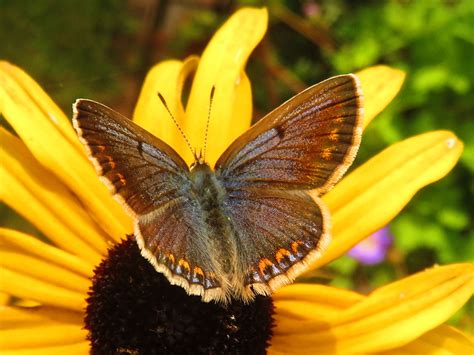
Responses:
[68,46]
[433,43]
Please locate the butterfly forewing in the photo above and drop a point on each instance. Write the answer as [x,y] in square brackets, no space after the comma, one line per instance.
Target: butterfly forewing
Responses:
[306,143]
[152,182]
[141,169]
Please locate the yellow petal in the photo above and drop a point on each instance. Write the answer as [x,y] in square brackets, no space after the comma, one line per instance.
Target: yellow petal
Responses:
[4,299]
[450,285]
[22,106]
[38,195]
[317,293]
[76,349]
[368,198]
[49,335]
[443,340]
[27,287]
[50,225]
[25,303]
[389,318]
[56,116]
[303,301]
[166,78]
[41,270]
[289,311]
[12,239]
[242,112]
[222,66]
[380,85]
[20,317]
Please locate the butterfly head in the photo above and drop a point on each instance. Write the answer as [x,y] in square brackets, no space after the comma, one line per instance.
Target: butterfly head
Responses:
[199,159]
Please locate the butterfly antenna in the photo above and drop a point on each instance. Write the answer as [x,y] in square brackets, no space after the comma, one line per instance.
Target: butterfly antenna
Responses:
[211,98]
[163,101]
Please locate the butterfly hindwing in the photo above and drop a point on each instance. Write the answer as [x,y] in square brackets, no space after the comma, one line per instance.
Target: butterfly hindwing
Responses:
[277,232]
[152,182]
[306,143]
[175,240]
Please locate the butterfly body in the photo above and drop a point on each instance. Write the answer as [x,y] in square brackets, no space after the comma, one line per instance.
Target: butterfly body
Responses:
[211,196]
[255,221]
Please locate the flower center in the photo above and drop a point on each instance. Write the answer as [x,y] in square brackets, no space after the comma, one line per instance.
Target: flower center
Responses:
[132,309]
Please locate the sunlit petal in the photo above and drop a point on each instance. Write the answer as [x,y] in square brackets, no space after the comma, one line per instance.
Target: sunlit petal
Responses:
[380,85]
[24,177]
[42,270]
[222,66]
[33,123]
[166,78]
[13,240]
[389,318]
[50,335]
[310,302]
[27,287]
[21,317]
[76,349]
[443,340]
[48,223]
[299,302]
[368,198]
[242,112]
[4,298]
[315,292]
[44,103]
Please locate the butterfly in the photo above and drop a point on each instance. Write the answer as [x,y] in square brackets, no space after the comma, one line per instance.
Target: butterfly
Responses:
[254,222]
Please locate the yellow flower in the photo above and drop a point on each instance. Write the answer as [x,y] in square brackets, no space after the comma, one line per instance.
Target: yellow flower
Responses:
[48,180]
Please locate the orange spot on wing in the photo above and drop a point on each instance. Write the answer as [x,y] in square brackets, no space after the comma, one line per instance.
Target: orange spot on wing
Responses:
[281,253]
[171,258]
[198,271]
[122,179]
[263,264]
[326,153]
[295,245]
[109,164]
[333,136]
[184,263]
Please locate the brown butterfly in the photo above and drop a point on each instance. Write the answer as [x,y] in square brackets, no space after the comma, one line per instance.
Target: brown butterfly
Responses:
[249,226]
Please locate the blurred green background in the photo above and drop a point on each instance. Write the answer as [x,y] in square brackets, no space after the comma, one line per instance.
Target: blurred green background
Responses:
[103,49]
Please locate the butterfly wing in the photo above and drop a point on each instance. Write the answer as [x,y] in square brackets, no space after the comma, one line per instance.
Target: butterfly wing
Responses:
[306,143]
[277,233]
[152,182]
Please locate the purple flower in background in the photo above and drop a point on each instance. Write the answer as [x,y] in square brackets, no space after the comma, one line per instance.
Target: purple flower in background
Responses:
[311,8]
[372,250]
